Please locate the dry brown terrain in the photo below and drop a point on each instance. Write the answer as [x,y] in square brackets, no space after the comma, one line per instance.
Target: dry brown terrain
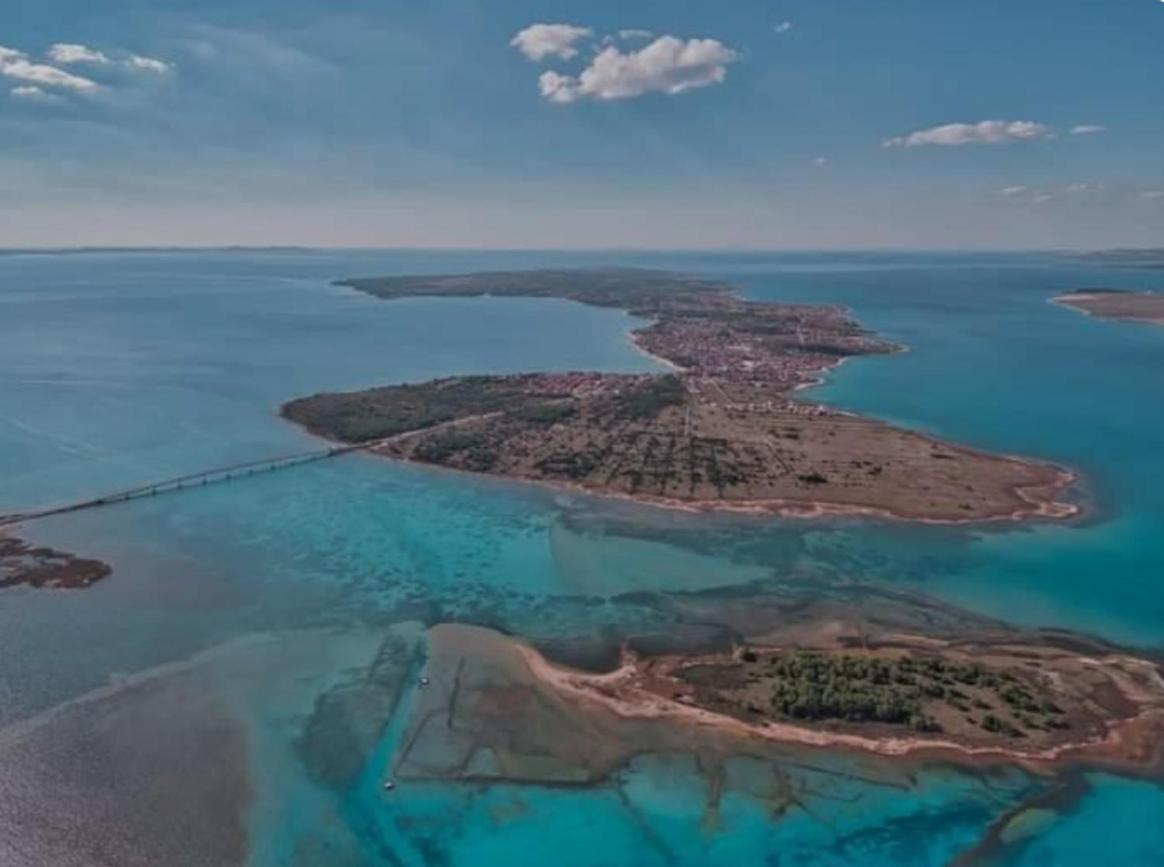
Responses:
[1109,304]
[725,431]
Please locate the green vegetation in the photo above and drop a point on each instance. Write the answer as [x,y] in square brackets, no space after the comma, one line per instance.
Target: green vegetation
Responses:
[817,686]
[376,413]
[472,449]
[813,686]
[993,724]
[649,398]
[1037,713]
[629,288]
[546,413]
[569,465]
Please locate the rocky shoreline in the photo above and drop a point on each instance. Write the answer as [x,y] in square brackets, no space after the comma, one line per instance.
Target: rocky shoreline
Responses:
[48,568]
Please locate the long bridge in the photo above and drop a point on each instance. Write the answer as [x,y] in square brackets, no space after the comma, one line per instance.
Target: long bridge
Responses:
[192,480]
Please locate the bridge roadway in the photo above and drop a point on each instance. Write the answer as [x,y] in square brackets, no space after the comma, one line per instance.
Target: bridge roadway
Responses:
[192,480]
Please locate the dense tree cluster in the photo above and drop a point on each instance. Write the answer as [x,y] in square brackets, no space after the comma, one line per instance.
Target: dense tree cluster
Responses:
[634,289]
[814,686]
[649,398]
[817,686]
[375,413]
[473,449]
[544,412]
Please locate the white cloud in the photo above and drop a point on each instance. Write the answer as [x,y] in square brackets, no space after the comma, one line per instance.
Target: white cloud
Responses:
[783,27]
[634,33]
[539,41]
[1016,190]
[557,87]
[820,161]
[148,64]
[44,82]
[1083,187]
[1152,194]
[15,64]
[1087,129]
[71,52]
[32,93]
[983,132]
[667,65]
[1043,198]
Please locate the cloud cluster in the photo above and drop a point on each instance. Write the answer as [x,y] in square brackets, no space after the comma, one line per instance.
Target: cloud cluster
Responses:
[666,65]
[46,82]
[1079,192]
[1087,129]
[71,52]
[983,132]
[36,76]
[539,41]
[147,64]
[783,27]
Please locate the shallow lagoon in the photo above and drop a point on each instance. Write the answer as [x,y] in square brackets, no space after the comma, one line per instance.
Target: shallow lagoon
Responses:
[119,368]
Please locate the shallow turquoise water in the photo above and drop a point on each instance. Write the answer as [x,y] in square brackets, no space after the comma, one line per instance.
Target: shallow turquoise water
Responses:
[992,363]
[121,368]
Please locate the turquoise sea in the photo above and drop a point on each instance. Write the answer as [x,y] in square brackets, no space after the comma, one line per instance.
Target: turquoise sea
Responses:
[184,710]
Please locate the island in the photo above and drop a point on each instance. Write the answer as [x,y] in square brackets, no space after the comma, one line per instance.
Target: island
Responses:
[1116,304]
[725,428]
[495,708]
[43,567]
[1034,700]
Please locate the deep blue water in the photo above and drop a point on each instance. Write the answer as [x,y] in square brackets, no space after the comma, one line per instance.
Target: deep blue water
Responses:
[121,368]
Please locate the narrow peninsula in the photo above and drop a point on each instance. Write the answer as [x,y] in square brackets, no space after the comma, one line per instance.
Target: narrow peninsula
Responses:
[1116,304]
[724,429]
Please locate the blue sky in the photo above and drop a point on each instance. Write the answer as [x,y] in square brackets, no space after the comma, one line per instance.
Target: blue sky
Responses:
[791,124]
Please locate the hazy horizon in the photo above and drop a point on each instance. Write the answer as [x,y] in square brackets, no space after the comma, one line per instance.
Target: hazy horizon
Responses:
[436,248]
